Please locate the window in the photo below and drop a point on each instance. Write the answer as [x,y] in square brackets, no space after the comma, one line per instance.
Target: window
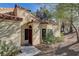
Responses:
[46,33]
[43,33]
[50,31]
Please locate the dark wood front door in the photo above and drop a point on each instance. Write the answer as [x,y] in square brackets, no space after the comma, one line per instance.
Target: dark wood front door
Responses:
[26,34]
[30,36]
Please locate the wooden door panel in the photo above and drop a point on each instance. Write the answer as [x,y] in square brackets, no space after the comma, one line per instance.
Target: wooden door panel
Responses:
[26,34]
[30,36]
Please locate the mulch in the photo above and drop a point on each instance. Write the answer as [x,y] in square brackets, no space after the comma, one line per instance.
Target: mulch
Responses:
[47,50]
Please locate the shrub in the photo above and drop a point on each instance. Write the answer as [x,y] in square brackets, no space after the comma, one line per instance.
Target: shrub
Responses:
[51,39]
[8,48]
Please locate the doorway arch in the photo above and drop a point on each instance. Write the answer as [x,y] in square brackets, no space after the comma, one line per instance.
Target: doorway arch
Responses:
[28,34]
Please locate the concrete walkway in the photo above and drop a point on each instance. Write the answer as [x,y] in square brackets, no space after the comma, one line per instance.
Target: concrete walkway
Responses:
[29,51]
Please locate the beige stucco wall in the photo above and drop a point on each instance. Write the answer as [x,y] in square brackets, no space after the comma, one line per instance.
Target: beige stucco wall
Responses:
[23,34]
[55,28]
[10,30]
[36,33]
[26,15]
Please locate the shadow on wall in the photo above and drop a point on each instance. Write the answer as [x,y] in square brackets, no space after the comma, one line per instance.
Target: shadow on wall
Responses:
[7,29]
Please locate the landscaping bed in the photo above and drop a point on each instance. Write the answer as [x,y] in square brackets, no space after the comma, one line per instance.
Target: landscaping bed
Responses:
[47,50]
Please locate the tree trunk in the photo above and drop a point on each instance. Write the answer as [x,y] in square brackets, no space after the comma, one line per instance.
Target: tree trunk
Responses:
[76,32]
[71,28]
[62,27]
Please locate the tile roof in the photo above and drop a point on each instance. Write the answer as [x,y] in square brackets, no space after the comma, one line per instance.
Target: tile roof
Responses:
[6,10]
[10,17]
[48,22]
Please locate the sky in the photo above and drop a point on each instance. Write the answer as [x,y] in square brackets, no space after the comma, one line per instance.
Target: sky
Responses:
[31,6]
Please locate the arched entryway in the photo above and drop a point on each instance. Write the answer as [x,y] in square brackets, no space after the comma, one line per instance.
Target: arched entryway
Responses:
[28,35]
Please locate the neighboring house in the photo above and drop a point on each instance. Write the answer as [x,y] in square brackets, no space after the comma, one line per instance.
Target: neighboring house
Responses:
[19,25]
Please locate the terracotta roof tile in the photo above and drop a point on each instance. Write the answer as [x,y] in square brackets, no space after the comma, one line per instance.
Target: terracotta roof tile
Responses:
[1,9]
[48,22]
[10,17]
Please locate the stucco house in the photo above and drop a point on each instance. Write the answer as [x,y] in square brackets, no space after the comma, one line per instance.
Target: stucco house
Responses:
[19,25]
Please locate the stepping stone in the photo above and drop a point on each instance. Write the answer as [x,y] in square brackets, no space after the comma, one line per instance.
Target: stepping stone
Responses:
[29,51]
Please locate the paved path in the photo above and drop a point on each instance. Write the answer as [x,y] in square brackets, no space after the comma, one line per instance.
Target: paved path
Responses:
[29,51]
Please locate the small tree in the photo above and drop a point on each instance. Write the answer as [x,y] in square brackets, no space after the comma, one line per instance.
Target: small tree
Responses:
[43,13]
[68,12]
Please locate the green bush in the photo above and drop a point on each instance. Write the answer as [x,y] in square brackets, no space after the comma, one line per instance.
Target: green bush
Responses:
[8,48]
[51,39]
